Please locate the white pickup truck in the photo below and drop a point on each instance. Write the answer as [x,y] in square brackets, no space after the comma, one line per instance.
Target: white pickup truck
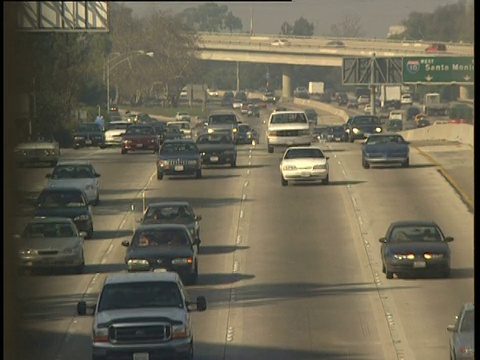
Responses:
[288,128]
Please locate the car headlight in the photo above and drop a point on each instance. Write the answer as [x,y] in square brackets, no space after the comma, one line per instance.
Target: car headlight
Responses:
[28,252]
[355,130]
[179,331]
[404,256]
[429,256]
[347,130]
[81,217]
[210,131]
[378,129]
[182,261]
[79,138]
[235,130]
[153,140]
[289,167]
[320,166]
[466,350]
[163,163]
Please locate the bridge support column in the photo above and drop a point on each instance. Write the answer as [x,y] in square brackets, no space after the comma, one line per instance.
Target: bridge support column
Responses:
[287,91]
[464,92]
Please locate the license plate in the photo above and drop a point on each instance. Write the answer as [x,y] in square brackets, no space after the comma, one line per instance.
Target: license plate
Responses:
[305,174]
[213,158]
[419,264]
[49,260]
[141,356]
[88,142]
[178,167]
[139,145]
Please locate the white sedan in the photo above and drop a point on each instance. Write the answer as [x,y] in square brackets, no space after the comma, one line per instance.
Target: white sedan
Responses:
[279,42]
[79,174]
[304,163]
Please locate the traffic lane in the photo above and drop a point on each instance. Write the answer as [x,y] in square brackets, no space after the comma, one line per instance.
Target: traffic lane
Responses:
[217,197]
[456,163]
[424,305]
[48,301]
[306,268]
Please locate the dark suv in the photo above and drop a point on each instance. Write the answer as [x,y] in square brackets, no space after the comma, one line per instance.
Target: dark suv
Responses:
[358,127]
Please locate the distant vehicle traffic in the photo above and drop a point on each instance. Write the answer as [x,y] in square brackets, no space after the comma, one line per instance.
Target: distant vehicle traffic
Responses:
[336,43]
[140,138]
[436,47]
[279,42]
[358,127]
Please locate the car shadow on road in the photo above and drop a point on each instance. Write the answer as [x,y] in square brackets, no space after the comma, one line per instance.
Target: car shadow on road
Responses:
[330,183]
[221,279]
[398,166]
[220,249]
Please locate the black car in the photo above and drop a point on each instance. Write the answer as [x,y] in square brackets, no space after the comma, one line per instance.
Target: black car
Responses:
[179,157]
[415,247]
[395,125]
[66,202]
[422,123]
[88,134]
[164,246]
[342,98]
[312,115]
[335,133]
[246,135]
[269,97]
[217,149]
[173,212]
[358,127]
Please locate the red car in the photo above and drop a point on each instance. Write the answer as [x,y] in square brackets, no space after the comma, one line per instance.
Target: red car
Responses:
[436,47]
[140,138]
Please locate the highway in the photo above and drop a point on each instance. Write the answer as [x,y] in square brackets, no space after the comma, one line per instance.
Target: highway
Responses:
[288,273]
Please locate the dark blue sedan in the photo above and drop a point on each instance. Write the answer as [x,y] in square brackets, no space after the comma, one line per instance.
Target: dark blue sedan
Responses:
[385,149]
[179,157]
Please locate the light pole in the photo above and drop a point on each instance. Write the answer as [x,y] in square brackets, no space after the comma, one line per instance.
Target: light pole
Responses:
[110,67]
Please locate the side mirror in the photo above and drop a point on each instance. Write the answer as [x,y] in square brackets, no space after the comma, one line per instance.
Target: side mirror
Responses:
[83,234]
[198,217]
[48,176]
[97,175]
[449,239]
[196,241]
[328,157]
[451,328]
[382,240]
[125,243]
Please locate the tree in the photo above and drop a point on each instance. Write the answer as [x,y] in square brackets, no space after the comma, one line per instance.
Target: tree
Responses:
[302,27]
[211,17]
[286,29]
[350,26]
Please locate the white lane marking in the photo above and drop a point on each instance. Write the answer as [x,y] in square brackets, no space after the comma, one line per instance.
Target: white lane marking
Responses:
[344,173]
[246,184]
[236,266]
[248,171]
[230,333]
[239,239]
[244,196]
[241,214]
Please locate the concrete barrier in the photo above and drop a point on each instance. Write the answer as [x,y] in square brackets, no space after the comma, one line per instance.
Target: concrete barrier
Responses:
[462,133]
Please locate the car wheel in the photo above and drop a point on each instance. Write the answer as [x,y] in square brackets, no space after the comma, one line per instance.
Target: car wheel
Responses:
[159,175]
[365,164]
[270,149]
[90,233]
[406,163]
[199,174]
[192,278]
[326,180]
[123,151]
[388,274]
[284,182]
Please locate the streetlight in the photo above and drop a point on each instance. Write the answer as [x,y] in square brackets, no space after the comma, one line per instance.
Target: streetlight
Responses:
[130,55]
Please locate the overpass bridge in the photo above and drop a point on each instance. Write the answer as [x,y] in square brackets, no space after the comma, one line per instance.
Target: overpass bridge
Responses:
[309,51]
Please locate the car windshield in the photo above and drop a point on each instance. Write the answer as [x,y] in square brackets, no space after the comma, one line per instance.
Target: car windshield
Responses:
[89,127]
[160,237]
[468,322]
[61,199]
[49,230]
[366,120]
[140,130]
[422,233]
[73,172]
[304,153]
[222,119]
[212,139]
[170,148]
[179,125]
[336,129]
[289,118]
[140,294]
[169,212]
[390,139]
[244,129]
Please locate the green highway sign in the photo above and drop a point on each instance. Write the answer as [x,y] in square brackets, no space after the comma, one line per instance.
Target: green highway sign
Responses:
[438,69]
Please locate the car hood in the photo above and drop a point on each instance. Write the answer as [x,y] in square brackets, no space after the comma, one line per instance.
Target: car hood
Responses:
[215,147]
[76,183]
[137,315]
[418,246]
[293,126]
[187,222]
[189,155]
[154,252]
[60,211]
[37,145]
[57,243]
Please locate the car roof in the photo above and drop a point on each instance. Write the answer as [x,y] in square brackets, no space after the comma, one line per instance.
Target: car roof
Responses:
[289,112]
[50,219]
[414,223]
[176,141]
[161,226]
[169,203]
[141,276]
[74,162]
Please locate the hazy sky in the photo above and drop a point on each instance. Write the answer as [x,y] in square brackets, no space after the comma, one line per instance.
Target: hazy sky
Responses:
[375,16]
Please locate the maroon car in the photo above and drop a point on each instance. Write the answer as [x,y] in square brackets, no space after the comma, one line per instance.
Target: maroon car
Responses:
[140,138]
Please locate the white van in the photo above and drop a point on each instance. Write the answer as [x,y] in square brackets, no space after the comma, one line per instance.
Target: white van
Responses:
[288,128]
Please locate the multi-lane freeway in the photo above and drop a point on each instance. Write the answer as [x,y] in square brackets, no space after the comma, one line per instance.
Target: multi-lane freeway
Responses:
[288,272]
